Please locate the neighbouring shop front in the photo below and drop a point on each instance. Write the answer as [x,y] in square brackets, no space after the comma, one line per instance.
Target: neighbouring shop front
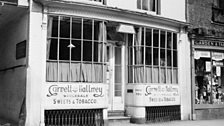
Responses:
[208,77]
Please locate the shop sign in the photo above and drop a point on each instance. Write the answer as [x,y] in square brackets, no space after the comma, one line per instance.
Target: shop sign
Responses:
[198,54]
[75,95]
[162,95]
[154,95]
[209,43]
[217,56]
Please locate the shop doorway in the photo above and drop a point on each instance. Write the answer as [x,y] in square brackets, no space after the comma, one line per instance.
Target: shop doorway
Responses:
[115,72]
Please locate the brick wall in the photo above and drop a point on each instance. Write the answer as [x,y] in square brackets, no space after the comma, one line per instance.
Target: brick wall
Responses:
[199,15]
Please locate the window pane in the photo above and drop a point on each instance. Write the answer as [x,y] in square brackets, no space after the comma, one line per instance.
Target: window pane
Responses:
[162,39]
[54,27]
[155,56]
[76,28]
[130,39]
[130,56]
[64,71]
[97,32]
[156,38]
[117,74]
[87,29]
[175,58]
[162,57]
[87,50]
[148,37]
[155,75]
[139,4]
[76,51]
[163,75]
[130,74]
[174,41]
[64,49]
[148,74]
[143,37]
[52,49]
[152,5]
[148,56]
[169,75]
[139,55]
[65,27]
[175,76]
[98,52]
[169,40]
[139,74]
[169,58]
[145,5]
[117,56]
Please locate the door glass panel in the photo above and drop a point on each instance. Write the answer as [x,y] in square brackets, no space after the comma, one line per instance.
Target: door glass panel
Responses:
[117,72]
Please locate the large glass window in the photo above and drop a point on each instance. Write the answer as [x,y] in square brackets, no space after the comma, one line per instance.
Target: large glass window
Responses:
[209,77]
[75,50]
[152,56]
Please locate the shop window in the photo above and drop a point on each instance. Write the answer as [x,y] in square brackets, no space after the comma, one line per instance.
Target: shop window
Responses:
[218,11]
[209,77]
[149,5]
[75,50]
[152,56]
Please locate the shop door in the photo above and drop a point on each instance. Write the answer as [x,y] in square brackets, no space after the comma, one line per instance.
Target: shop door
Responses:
[116,76]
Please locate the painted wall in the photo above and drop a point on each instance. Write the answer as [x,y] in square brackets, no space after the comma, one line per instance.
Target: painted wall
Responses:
[174,9]
[12,80]
[36,65]
[184,63]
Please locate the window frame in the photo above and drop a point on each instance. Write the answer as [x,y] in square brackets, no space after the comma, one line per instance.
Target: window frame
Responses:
[132,64]
[58,38]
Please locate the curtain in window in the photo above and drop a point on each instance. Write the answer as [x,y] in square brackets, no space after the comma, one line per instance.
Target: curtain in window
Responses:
[138,48]
[98,73]
[139,74]
[148,74]
[155,74]
[52,68]
[138,71]
[175,76]
[86,72]
[75,72]
[49,34]
[163,75]
[63,71]
[169,75]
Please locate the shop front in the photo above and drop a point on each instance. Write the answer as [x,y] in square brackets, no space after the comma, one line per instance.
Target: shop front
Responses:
[94,60]
[208,75]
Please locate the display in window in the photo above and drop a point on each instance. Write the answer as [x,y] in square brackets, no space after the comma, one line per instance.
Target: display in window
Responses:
[209,80]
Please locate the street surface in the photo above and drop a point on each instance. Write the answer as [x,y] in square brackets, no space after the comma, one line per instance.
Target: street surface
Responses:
[219,122]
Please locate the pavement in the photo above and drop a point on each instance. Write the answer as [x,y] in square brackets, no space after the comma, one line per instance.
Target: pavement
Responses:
[216,122]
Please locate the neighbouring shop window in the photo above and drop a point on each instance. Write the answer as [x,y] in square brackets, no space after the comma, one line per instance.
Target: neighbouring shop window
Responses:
[149,5]
[75,50]
[152,56]
[209,77]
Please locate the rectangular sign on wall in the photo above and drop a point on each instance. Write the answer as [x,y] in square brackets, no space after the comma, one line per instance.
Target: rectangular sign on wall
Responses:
[153,95]
[75,95]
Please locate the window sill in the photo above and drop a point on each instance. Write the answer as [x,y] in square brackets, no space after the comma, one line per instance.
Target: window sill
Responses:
[208,106]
